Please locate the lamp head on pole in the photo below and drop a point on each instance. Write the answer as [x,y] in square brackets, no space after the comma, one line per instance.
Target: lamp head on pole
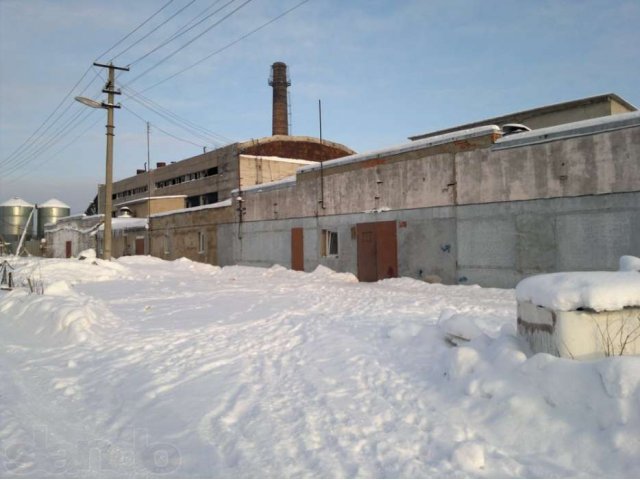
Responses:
[88,102]
[93,104]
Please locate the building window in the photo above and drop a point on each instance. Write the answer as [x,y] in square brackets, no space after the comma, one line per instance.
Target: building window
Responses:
[188,177]
[209,198]
[202,242]
[329,243]
[193,201]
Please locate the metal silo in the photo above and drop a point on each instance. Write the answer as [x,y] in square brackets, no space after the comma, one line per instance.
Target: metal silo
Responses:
[49,212]
[14,214]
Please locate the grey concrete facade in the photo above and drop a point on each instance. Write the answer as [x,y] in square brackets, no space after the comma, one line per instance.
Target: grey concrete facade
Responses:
[481,210]
[495,244]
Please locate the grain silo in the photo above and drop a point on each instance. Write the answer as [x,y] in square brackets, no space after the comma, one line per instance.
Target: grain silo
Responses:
[49,212]
[14,214]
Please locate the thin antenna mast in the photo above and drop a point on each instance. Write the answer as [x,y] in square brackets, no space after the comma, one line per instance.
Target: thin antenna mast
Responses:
[321,160]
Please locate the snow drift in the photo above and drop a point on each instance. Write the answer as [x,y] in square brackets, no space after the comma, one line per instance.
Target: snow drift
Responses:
[142,367]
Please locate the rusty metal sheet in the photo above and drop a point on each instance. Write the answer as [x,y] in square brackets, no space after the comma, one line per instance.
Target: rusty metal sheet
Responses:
[139,246]
[377,251]
[297,249]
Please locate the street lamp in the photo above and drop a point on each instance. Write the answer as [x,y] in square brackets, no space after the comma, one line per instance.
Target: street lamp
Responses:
[109,105]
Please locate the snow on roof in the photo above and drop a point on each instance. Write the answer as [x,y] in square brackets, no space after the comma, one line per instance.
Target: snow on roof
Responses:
[146,199]
[407,147]
[16,202]
[53,203]
[126,223]
[568,130]
[599,291]
[265,187]
[279,159]
[222,204]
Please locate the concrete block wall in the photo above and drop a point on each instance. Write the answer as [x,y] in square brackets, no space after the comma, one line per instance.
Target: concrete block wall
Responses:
[182,231]
[493,245]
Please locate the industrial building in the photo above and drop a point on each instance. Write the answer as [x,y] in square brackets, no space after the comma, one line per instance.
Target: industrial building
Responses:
[489,202]
[211,176]
[468,206]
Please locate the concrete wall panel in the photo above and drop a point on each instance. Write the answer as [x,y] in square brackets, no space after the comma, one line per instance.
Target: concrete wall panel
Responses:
[596,240]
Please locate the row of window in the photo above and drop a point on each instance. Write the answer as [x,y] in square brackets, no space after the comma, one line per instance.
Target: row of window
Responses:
[188,177]
[130,192]
[206,199]
[329,245]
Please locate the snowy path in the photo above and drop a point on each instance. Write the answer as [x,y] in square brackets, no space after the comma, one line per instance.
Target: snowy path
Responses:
[182,369]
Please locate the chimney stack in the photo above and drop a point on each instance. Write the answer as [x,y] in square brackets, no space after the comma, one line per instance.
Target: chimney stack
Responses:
[280,81]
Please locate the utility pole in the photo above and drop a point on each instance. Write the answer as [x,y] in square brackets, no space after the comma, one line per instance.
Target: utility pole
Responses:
[148,246]
[111,91]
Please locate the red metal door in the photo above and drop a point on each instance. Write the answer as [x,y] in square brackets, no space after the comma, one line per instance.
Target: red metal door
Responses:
[139,246]
[297,249]
[367,256]
[377,251]
[387,250]
[68,249]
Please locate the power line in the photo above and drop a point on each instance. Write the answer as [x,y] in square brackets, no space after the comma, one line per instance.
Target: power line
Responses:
[196,134]
[190,41]
[218,137]
[65,147]
[220,50]
[29,143]
[67,128]
[134,30]
[179,34]
[153,31]
[38,145]
[186,25]
[163,131]
[8,158]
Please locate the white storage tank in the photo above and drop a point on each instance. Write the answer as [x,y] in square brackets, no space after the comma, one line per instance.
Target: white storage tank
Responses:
[49,212]
[14,214]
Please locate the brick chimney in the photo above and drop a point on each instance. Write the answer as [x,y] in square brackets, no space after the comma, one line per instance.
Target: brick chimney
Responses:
[280,81]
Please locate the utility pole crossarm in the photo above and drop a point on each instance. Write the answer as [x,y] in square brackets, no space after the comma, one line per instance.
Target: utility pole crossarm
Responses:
[96,64]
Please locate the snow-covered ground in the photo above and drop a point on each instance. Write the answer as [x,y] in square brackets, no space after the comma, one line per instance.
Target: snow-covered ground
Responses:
[141,367]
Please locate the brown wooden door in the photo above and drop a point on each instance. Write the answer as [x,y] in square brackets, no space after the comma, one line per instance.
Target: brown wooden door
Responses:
[68,249]
[139,246]
[297,249]
[367,256]
[377,251]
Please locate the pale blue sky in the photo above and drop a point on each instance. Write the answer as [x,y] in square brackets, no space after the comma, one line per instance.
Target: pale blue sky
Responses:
[384,70]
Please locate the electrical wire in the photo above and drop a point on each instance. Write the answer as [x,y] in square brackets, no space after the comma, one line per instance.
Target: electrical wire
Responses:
[160,129]
[47,159]
[23,149]
[218,138]
[36,143]
[179,34]
[155,29]
[154,66]
[11,156]
[222,49]
[134,30]
[202,137]
[57,137]
[203,12]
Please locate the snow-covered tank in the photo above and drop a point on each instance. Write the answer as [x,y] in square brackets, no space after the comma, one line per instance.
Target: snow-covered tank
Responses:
[14,214]
[49,212]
